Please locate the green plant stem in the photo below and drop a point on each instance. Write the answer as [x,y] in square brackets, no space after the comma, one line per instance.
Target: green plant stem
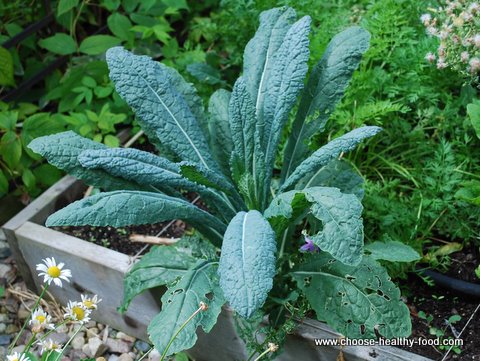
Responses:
[267,351]
[14,342]
[70,340]
[145,354]
[75,20]
[30,343]
[282,247]
[50,331]
[179,330]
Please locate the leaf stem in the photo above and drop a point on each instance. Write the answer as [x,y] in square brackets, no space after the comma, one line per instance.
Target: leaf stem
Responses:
[282,247]
[202,307]
[271,348]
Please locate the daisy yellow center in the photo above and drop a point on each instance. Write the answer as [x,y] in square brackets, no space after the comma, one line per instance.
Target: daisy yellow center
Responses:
[41,318]
[88,303]
[78,312]
[54,271]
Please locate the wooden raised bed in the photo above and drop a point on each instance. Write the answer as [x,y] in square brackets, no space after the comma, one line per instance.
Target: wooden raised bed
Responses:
[98,270]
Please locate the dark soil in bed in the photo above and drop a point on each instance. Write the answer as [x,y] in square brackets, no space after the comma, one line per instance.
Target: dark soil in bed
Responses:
[440,304]
[463,264]
[117,239]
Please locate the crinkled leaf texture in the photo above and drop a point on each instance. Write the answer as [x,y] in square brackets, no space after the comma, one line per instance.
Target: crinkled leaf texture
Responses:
[243,126]
[341,215]
[219,128]
[247,262]
[325,88]
[258,59]
[355,301]
[151,90]
[189,270]
[123,208]
[284,85]
[247,160]
[136,166]
[161,266]
[159,173]
[62,151]
[180,301]
[338,174]
[331,150]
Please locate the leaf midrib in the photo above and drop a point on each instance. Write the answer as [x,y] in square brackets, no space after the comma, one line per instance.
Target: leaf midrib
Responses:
[176,122]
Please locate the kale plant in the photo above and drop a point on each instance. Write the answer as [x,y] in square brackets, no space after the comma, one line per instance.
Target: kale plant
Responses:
[227,156]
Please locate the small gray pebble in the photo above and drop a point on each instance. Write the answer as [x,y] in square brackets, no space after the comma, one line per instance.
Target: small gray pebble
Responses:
[142,346]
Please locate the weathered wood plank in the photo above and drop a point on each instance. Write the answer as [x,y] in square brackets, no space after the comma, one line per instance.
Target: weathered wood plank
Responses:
[62,193]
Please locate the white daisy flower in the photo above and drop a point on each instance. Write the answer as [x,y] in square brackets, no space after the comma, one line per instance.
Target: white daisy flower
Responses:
[49,345]
[90,303]
[17,357]
[53,272]
[77,312]
[41,320]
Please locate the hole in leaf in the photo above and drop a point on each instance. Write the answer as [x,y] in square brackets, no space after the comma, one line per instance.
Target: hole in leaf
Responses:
[387,297]
[341,294]
[376,328]
[362,329]
[350,278]
[345,303]
[177,291]
[369,291]
[209,296]
[380,293]
[307,281]
[349,321]
[331,261]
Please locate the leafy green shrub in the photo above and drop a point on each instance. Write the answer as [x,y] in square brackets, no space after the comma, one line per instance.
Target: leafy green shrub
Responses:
[18,164]
[228,158]
[82,97]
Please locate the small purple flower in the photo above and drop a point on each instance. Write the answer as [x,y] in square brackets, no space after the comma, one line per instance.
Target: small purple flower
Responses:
[309,246]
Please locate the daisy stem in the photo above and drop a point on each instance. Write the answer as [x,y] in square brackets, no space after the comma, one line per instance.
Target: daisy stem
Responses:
[30,343]
[70,340]
[14,342]
[52,330]
[145,354]
[179,330]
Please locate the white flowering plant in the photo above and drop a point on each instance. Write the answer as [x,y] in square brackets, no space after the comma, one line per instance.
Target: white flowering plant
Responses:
[457,26]
[77,314]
